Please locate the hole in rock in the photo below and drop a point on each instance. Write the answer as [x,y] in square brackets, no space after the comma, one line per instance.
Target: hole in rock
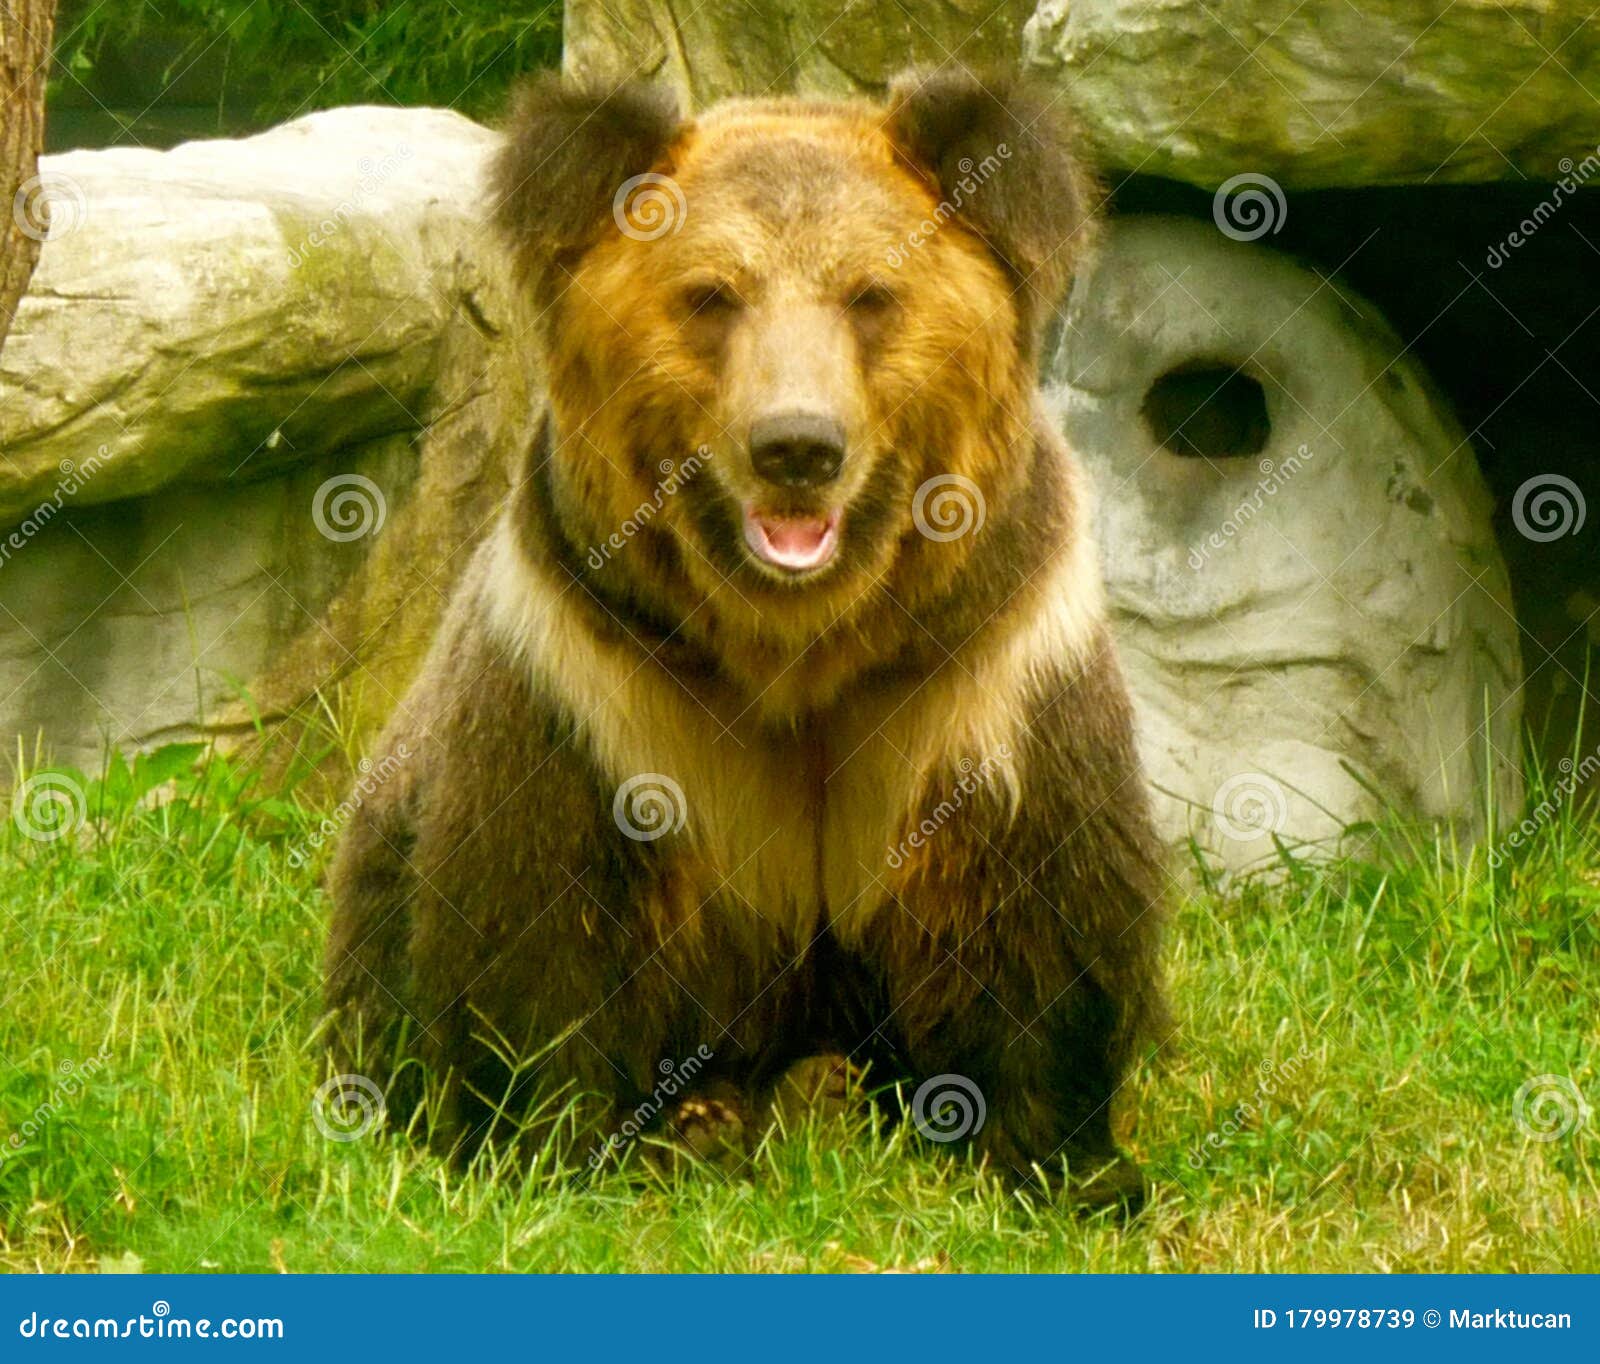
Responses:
[1207,410]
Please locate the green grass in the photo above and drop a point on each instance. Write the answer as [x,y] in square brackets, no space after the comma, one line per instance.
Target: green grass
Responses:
[283,60]
[1395,1010]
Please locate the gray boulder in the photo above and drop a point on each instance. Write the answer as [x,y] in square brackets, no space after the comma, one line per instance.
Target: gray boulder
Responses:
[255,405]
[1305,585]
[1309,92]
[1327,92]
[708,51]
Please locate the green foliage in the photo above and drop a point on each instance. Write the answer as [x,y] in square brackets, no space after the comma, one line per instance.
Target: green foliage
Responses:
[285,59]
[1347,1087]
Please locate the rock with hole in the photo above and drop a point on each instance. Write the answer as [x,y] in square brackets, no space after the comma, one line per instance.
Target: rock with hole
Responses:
[1296,539]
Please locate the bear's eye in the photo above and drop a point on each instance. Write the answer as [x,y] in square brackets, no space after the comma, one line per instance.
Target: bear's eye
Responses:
[711,300]
[871,298]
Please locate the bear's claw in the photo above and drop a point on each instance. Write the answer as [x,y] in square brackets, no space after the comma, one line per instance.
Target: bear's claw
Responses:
[706,1129]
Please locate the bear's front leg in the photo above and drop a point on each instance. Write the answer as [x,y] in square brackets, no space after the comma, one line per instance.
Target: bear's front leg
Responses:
[1013,1048]
[1020,949]
[503,947]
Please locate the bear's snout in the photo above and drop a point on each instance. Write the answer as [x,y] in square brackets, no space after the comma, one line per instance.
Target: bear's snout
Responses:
[797,449]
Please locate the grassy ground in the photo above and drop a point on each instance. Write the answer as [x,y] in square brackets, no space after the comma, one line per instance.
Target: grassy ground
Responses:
[1353,1042]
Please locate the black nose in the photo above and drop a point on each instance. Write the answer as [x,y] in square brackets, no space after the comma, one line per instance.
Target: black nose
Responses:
[797,449]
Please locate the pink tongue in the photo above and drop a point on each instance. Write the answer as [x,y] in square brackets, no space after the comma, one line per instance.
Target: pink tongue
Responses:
[791,541]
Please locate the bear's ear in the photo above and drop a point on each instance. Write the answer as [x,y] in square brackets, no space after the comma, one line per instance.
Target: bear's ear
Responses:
[1004,155]
[567,152]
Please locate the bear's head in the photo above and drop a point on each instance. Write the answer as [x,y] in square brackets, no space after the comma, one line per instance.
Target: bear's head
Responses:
[790,345]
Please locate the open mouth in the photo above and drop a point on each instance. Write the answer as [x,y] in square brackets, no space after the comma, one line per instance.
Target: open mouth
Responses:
[794,543]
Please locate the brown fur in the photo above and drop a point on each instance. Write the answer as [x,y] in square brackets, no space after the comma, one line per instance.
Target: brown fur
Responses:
[488,893]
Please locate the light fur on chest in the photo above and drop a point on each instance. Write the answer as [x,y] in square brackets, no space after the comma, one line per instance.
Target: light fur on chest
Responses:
[821,821]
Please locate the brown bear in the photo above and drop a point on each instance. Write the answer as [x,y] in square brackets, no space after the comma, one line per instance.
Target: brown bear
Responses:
[777,717]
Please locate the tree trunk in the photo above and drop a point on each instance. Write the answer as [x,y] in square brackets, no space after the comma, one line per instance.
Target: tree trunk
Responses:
[24,215]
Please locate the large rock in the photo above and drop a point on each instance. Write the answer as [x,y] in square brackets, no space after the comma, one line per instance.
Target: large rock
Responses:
[1304,581]
[1309,92]
[816,47]
[1328,92]
[255,406]
[231,308]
